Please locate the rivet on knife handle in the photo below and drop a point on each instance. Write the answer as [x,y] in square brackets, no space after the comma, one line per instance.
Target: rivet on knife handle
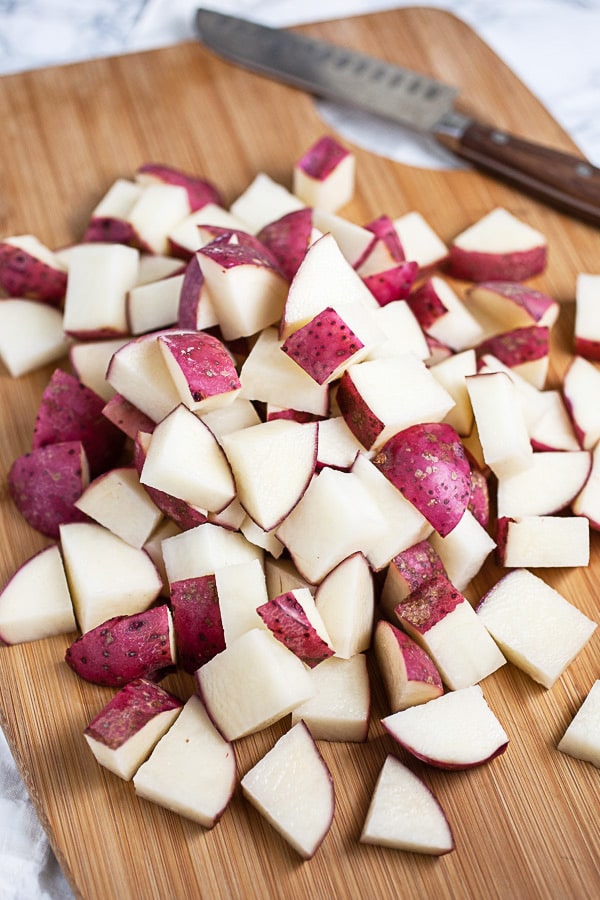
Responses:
[560,179]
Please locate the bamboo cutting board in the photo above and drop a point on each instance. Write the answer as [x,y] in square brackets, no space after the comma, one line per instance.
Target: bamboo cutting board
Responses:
[526,825]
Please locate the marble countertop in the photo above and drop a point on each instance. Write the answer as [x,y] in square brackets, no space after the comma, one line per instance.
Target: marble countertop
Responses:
[552,45]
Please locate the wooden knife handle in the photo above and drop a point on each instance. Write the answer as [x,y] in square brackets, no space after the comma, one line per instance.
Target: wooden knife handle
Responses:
[560,179]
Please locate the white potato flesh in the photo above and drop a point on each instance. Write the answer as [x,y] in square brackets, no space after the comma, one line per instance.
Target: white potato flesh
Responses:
[292,787]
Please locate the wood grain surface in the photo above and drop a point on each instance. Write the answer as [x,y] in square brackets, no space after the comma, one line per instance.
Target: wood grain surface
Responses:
[526,825]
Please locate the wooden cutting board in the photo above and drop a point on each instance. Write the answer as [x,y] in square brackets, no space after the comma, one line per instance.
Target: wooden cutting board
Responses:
[526,825]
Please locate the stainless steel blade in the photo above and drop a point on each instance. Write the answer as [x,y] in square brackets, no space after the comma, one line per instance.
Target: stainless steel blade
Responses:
[328,70]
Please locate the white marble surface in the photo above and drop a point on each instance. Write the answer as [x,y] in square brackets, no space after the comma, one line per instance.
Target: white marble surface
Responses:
[551,44]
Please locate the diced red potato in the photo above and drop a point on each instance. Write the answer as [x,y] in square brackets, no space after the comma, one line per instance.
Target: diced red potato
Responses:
[195,310]
[125,648]
[196,620]
[443,315]
[90,361]
[324,346]
[380,397]
[117,500]
[200,192]
[525,349]
[247,290]
[124,732]
[390,823]
[98,563]
[455,731]
[498,247]
[100,277]
[288,238]
[127,417]
[192,770]
[535,542]
[158,209]
[264,200]
[324,175]
[45,483]
[35,603]
[428,464]
[109,218]
[407,571]
[30,270]
[154,305]
[268,485]
[184,514]
[385,250]
[408,673]
[420,242]
[340,707]
[392,284]
[70,411]
[324,279]
[444,623]
[201,368]
[587,318]
[580,387]
[292,787]
[294,620]
[505,305]
[353,240]
[31,335]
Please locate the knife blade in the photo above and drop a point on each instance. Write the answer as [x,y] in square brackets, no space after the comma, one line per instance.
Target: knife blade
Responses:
[562,180]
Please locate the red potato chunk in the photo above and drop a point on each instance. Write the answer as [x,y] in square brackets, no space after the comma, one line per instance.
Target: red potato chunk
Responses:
[45,483]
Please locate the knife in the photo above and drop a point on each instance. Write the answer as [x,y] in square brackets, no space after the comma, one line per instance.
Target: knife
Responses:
[563,180]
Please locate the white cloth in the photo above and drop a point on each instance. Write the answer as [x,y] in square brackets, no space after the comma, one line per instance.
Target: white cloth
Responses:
[553,50]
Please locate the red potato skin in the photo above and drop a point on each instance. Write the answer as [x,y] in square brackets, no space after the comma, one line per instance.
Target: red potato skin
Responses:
[322,158]
[197,621]
[24,275]
[472,265]
[428,604]
[200,191]
[71,411]
[536,305]
[295,415]
[359,417]
[441,764]
[322,345]
[190,297]
[501,538]
[413,663]
[45,484]
[220,236]
[428,465]
[393,284]
[183,514]
[383,229]
[587,348]
[437,350]
[109,229]
[245,252]
[124,648]
[131,708]
[426,305]
[286,619]
[127,417]
[417,564]
[205,362]
[288,239]
[518,345]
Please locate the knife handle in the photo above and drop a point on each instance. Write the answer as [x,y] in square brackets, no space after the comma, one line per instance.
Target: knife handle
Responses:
[560,179]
